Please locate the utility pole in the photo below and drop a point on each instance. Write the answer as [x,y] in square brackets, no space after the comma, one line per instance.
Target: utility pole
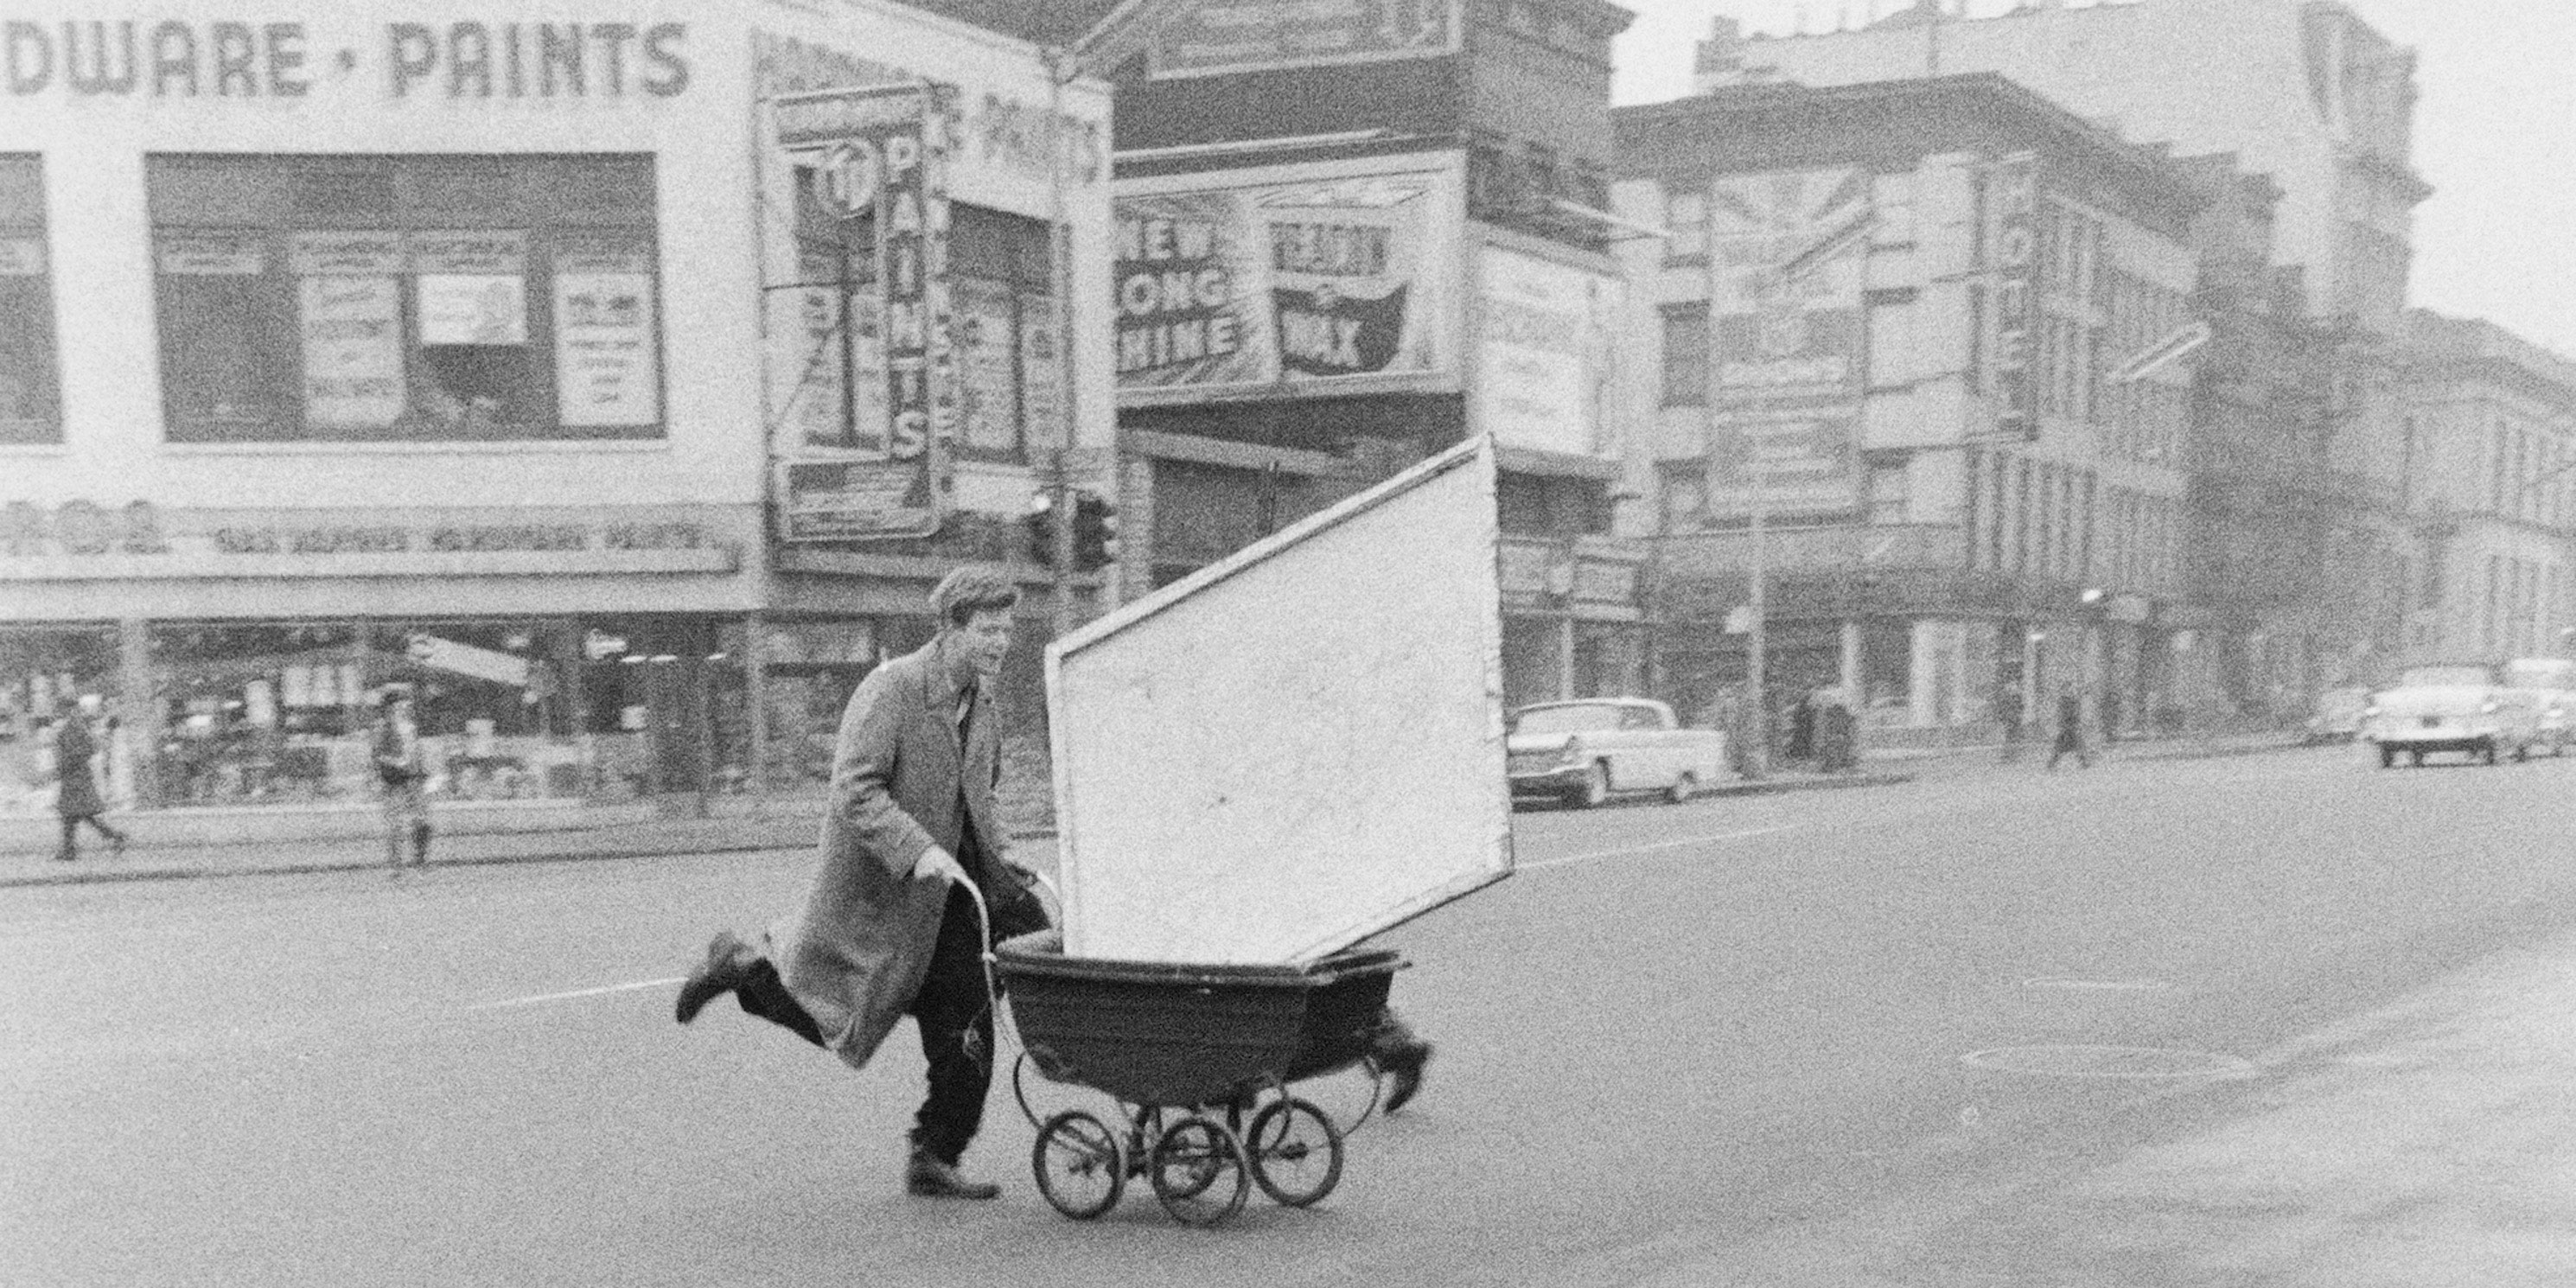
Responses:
[1757,757]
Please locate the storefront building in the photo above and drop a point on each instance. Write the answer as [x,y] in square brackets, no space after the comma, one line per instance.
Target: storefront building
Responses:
[1906,339]
[620,380]
[1343,247]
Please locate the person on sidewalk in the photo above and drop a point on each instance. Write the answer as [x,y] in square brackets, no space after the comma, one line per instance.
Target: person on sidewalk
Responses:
[2070,733]
[2008,713]
[76,795]
[885,930]
[403,771]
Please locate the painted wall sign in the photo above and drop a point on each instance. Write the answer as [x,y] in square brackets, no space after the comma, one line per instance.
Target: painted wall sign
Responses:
[98,60]
[993,128]
[2012,294]
[1222,37]
[1544,351]
[1286,287]
[1788,256]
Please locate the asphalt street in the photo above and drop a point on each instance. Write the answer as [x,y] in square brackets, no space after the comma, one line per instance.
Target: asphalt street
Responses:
[1991,1026]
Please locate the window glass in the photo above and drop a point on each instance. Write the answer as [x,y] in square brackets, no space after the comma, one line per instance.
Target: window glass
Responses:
[30,410]
[43,674]
[407,299]
[1686,356]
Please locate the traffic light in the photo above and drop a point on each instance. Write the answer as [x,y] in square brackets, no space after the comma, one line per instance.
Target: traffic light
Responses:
[1040,524]
[1095,532]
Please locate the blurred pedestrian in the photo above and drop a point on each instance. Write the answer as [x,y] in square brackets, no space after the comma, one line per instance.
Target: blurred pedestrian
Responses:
[2070,733]
[402,770]
[2008,713]
[886,929]
[116,765]
[1837,738]
[77,798]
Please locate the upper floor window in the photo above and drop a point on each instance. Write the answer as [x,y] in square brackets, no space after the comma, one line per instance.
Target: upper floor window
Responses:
[30,399]
[1686,218]
[422,298]
[1686,355]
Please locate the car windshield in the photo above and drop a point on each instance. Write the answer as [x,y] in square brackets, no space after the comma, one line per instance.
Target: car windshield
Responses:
[1582,718]
[2433,677]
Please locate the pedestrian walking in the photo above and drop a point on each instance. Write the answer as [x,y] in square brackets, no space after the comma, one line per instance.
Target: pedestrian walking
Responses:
[2008,713]
[884,930]
[77,798]
[2070,733]
[402,772]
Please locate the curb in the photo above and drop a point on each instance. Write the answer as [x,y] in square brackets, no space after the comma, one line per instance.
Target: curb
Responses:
[71,876]
[1774,786]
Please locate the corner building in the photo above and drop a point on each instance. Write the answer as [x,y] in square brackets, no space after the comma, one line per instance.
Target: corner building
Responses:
[546,362]
[1888,336]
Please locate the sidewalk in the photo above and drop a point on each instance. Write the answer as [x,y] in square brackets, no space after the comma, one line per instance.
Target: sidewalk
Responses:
[181,844]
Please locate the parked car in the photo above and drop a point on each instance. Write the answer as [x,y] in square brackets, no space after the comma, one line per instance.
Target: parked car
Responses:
[2551,682]
[1585,752]
[2464,708]
[2338,714]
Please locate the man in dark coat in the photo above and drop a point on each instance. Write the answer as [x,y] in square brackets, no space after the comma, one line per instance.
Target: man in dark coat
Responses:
[2070,733]
[76,796]
[885,931]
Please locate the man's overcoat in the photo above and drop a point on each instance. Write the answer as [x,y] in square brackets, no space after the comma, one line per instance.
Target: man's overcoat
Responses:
[76,793]
[855,953]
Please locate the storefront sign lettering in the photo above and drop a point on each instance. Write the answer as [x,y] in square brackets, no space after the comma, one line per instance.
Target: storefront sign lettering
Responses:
[456,60]
[85,528]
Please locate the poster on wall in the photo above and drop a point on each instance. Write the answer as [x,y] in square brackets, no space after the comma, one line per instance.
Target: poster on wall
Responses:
[353,350]
[1224,37]
[1789,251]
[605,373]
[1543,351]
[1317,280]
[879,154]
[987,336]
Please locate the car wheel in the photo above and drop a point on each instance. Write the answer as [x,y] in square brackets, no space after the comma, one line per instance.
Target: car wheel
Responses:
[1596,786]
[1683,788]
[2415,758]
[2488,751]
[2387,757]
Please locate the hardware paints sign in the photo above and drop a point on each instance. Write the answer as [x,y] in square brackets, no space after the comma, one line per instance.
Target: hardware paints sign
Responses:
[174,60]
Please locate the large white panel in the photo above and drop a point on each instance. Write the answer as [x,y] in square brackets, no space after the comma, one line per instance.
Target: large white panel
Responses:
[1297,748]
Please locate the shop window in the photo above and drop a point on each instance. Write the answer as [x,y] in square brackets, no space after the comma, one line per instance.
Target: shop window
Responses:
[44,671]
[406,299]
[1002,327]
[264,712]
[493,703]
[30,410]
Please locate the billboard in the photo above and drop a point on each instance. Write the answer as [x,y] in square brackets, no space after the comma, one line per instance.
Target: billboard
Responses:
[1544,352]
[1223,37]
[1297,747]
[1787,253]
[1321,279]
[867,383]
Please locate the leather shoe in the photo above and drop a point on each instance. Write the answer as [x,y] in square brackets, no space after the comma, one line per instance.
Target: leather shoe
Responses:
[719,974]
[930,1178]
[1404,1069]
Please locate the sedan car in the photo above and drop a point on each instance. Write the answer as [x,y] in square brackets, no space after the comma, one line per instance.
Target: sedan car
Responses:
[1585,752]
[2462,708]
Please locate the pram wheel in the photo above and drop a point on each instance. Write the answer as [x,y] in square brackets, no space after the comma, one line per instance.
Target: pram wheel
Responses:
[1198,1170]
[1080,1163]
[1296,1152]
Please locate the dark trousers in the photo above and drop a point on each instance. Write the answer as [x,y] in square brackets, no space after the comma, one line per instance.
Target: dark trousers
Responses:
[956,1019]
[71,831]
[954,1015]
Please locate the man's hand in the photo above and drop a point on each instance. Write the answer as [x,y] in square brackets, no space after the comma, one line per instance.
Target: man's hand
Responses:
[938,863]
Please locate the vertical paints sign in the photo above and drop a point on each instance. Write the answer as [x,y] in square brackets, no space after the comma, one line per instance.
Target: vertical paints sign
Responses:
[876,160]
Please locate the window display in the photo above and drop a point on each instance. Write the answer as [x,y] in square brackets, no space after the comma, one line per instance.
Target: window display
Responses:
[260,713]
[495,715]
[412,298]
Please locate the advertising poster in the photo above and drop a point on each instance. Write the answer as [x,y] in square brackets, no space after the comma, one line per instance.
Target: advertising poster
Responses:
[353,351]
[880,154]
[1788,252]
[605,374]
[1222,37]
[1306,286]
[1543,351]
[472,287]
